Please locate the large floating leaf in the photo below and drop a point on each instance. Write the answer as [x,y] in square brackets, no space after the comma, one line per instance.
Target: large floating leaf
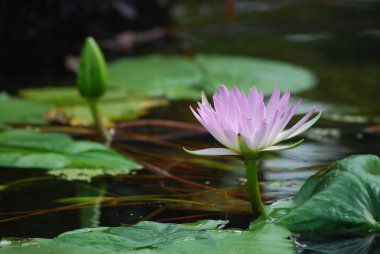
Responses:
[64,96]
[179,77]
[61,155]
[117,105]
[154,75]
[247,72]
[344,199]
[151,237]
[15,110]
[112,111]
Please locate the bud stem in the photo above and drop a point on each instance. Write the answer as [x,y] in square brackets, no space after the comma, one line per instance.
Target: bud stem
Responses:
[253,186]
[98,119]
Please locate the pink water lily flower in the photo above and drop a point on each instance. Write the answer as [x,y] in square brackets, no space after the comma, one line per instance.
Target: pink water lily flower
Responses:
[246,125]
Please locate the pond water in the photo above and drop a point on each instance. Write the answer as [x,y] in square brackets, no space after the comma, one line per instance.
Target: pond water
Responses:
[338,40]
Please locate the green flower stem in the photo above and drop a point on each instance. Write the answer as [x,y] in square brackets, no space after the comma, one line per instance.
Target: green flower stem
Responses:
[98,119]
[253,186]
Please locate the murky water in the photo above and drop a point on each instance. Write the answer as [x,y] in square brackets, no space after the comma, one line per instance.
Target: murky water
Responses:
[338,40]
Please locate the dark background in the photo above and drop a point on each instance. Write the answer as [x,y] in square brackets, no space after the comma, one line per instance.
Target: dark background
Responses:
[337,39]
[37,36]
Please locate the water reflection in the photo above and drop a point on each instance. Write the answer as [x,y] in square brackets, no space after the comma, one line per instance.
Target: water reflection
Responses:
[359,245]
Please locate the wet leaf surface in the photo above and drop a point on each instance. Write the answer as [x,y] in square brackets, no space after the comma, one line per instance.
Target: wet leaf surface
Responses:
[174,77]
[152,237]
[112,111]
[70,108]
[341,200]
[245,72]
[178,77]
[16,110]
[56,151]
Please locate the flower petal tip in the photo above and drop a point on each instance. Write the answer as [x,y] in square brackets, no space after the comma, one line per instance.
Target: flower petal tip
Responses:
[283,147]
[211,152]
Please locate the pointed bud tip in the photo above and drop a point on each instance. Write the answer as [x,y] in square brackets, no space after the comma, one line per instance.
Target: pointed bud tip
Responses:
[92,75]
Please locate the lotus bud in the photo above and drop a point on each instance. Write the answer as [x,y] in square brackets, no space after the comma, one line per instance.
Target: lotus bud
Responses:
[92,76]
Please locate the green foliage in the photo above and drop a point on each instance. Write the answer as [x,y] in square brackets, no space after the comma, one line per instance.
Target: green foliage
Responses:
[61,155]
[134,80]
[112,111]
[246,72]
[92,75]
[178,77]
[63,96]
[171,76]
[152,237]
[15,110]
[344,199]
[116,105]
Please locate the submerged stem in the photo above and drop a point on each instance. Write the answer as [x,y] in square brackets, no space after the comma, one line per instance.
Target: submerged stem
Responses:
[98,119]
[253,186]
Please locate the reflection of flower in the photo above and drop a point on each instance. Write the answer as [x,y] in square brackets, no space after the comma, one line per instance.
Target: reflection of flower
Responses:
[246,125]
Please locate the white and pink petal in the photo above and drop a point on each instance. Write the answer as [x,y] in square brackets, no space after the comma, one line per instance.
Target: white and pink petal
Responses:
[212,152]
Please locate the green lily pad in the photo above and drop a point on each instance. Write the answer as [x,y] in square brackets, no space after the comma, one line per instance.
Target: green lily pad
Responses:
[344,199]
[61,155]
[151,237]
[112,111]
[177,77]
[56,96]
[174,77]
[117,105]
[64,96]
[15,110]
[246,72]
